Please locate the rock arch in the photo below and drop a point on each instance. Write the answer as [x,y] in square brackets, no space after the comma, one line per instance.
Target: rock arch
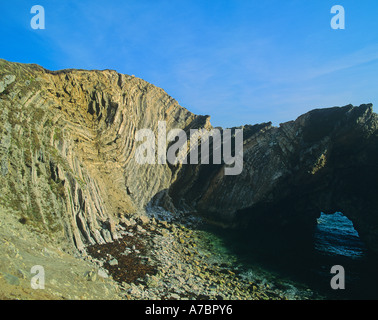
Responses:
[326,160]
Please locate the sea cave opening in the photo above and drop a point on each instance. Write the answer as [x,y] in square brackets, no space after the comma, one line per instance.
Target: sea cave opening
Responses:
[307,257]
[337,242]
[335,235]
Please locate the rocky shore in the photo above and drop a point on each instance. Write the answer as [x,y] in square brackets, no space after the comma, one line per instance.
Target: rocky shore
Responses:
[172,260]
[154,259]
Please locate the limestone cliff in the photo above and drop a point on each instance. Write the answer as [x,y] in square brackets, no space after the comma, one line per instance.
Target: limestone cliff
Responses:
[67,159]
[68,146]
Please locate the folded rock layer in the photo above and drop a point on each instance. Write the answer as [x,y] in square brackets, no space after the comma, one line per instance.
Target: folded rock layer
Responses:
[68,160]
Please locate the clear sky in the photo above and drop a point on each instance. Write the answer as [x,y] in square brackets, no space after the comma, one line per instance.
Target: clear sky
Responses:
[240,61]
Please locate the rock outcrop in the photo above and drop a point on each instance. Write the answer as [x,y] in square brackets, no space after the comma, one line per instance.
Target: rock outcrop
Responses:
[68,147]
[325,161]
[67,160]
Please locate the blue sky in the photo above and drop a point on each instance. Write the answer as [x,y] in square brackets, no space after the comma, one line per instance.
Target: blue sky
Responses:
[240,61]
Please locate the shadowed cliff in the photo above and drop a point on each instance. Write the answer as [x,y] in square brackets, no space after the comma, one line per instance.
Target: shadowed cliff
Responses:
[325,161]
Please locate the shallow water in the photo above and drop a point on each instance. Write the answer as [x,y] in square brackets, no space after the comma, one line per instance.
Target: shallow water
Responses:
[305,265]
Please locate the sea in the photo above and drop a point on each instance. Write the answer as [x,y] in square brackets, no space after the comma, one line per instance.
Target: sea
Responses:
[304,269]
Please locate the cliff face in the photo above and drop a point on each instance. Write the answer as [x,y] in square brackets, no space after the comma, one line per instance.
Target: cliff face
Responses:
[68,145]
[325,161]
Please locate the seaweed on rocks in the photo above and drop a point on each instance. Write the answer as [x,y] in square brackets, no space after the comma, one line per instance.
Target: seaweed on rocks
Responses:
[123,259]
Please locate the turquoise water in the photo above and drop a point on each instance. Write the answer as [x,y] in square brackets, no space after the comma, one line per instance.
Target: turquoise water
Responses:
[307,264]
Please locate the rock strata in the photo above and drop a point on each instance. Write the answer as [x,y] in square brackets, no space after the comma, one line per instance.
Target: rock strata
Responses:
[68,164]
[324,161]
[69,176]
[68,144]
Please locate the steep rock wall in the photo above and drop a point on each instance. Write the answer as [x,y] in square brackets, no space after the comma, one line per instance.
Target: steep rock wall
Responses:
[68,147]
[67,160]
[325,161]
